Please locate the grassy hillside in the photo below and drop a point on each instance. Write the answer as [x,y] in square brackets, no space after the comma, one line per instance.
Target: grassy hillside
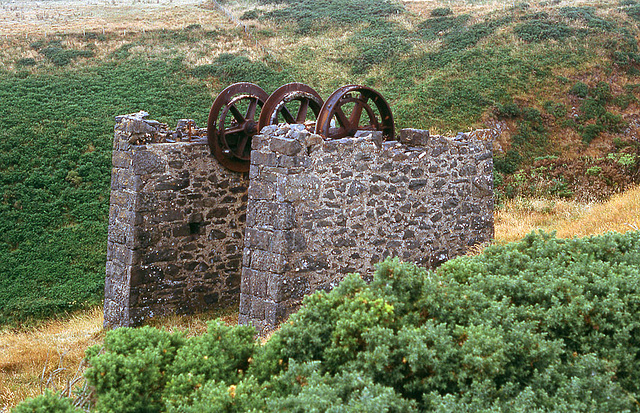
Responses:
[558,79]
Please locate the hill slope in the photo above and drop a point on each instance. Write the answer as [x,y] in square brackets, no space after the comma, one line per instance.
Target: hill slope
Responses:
[558,80]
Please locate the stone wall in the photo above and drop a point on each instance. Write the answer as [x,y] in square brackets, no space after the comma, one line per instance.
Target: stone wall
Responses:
[176,227]
[318,210]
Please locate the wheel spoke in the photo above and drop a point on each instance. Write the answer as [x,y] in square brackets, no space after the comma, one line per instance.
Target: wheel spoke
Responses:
[342,118]
[234,130]
[241,145]
[288,117]
[356,114]
[251,110]
[236,114]
[302,111]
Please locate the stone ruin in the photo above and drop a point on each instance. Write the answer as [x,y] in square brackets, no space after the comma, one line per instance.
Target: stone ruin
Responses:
[187,235]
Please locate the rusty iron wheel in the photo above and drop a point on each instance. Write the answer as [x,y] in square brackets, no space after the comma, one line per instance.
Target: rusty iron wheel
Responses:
[233,122]
[343,113]
[291,98]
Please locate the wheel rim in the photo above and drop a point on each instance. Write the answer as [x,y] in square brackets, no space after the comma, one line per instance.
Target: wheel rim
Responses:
[346,107]
[281,103]
[231,126]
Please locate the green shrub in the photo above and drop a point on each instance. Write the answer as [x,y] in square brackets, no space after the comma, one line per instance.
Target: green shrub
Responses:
[541,30]
[306,13]
[220,355]
[130,374]
[457,40]
[440,12]
[544,324]
[508,110]
[507,163]
[612,122]
[47,403]
[26,61]
[435,27]
[558,110]
[61,56]
[590,132]
[602,92]
[230,68]
[378,44]
[587,15]
[580,90]
[252,14]
[591,108]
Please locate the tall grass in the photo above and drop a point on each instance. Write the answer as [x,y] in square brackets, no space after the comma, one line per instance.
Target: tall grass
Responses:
[569,219]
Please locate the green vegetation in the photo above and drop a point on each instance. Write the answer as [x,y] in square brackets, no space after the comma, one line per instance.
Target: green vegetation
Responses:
[561,79]
[543,324]
[306,14]
[55,158]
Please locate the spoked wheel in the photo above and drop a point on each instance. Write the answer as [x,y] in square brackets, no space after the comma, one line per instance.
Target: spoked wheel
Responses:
[233,121]
[353,108]
[291,103]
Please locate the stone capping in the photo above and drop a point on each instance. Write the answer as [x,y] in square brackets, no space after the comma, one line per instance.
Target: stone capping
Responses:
[318,210]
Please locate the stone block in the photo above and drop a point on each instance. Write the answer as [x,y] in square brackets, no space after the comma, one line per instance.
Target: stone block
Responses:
[145,162]
[261,214]
[257,239]
[160,255]
[258,282]
[267,261]
[414,137]
[298,187]
[262,190]
[285,146]
[257,308]
[287,241]
[284,216]
[265,159]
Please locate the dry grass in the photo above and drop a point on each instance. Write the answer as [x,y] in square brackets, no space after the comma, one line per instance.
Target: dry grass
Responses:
[569,218]
[29,358]
[39,17]
[196,324]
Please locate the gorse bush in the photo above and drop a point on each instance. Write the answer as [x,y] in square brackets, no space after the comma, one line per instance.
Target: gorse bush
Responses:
[47,402]
[541,30]
[544,324]
[306,13]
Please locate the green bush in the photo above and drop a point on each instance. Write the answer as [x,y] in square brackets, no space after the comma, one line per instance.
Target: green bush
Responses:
[590,132]
[544,324]
[541,30]
[587,15]
[376,45]
[230,68]
[508,110]
[220,355]
[440,12]
[26,61]
[47,403]
[558,110]
[307,13]
[252,14]
[580,90]
[435,27]
[129,373]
